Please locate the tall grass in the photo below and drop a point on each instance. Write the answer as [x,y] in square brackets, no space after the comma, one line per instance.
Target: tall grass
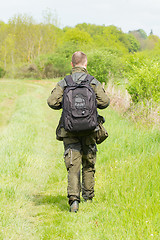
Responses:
[148,113]
[33,178]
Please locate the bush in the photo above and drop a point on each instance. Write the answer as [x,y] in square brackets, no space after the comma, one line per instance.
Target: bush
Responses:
[28,71]
[58,63]
[2,72]
[104,63]
[143,80]
[54,65]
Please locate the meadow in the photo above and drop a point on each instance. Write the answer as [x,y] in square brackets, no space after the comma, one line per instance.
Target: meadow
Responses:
[33,177]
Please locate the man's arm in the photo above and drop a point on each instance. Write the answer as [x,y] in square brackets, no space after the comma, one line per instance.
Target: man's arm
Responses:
[55,99]
[103,100]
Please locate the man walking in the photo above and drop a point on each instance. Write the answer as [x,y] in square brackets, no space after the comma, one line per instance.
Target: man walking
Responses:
[80,146]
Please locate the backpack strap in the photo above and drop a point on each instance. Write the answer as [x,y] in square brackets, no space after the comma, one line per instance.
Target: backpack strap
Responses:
[69,80]
[88,78]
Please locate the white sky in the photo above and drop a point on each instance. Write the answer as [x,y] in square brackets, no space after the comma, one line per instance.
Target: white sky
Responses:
[125,14]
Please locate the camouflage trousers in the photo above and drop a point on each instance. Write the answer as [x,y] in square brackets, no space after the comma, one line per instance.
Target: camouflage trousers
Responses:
[80,151]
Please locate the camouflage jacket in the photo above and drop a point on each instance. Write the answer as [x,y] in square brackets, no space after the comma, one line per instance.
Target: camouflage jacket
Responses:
[55,99]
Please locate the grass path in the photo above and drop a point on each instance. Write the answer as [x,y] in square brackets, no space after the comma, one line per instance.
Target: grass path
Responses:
[33,178]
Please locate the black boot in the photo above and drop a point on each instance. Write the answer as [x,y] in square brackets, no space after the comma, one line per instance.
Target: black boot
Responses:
[74,206]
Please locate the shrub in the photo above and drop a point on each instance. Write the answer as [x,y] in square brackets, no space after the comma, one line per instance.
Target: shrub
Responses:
[2,72]
[58,63]
[28,71]
[144,80]
[54,65]
[104,63]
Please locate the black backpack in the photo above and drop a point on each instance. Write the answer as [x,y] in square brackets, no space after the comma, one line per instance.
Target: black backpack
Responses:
[79,106]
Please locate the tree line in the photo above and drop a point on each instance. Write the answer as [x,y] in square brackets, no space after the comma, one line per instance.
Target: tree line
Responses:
[43,50]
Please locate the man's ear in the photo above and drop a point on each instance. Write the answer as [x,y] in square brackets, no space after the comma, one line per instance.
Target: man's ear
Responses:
[85,64]
[72,64]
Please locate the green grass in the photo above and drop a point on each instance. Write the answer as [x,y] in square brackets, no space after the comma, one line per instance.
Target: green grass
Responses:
[33,178]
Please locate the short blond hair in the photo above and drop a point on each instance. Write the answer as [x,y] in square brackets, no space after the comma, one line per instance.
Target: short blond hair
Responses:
[79,58]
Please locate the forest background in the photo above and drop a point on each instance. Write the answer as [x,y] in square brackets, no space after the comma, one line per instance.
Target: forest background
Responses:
[43,51]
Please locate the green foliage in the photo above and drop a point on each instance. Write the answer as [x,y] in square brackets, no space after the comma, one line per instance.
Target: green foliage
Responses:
[43,50]
[144,79]
[77,39]
[53,65]
[22,41]
[131,43]
[156,50]
[92,29]
[152,41]
[142,33]
[67,49]
[110,38]
[2,72]
[104,63]
[57,64]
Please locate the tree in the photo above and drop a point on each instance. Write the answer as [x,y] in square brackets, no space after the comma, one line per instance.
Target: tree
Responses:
[104,63]
[151,41]
[77,36]
[92,29]
[24,30]
[3,44]
[131,43]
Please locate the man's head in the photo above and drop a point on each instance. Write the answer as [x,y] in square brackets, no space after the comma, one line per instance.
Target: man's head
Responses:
[79,59]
